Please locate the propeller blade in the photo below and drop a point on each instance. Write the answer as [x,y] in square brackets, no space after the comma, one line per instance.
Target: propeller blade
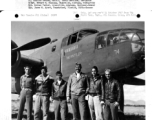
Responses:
[34,44]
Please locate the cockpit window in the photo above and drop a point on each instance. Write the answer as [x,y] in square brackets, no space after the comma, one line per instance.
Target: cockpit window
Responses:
[113,38]
[141,35]
[125,36]
[72,38]
[80,36]
[65,41]
[77,36]
[85,33]
[135,37]
[101,42]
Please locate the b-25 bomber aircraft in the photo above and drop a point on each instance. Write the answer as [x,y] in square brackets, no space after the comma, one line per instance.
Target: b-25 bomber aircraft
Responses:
[121,50]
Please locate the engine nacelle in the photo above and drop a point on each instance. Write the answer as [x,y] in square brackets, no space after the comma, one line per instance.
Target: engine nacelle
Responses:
[15,57]
[18,62]
[15,85]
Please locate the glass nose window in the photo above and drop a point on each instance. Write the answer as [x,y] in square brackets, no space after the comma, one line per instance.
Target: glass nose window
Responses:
[142,36]
[135,38]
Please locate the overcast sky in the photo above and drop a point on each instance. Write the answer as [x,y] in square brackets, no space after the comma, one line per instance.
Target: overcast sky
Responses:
[24,32]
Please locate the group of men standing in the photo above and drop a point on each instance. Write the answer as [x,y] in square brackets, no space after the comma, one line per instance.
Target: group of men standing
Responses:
[95,89]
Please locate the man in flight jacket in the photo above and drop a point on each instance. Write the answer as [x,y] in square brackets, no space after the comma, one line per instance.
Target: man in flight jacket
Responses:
[112,96]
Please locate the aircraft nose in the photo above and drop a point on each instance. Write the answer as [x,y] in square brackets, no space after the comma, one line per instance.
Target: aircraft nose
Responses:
[138,42]
[138,50]
[136,47]
[143,49]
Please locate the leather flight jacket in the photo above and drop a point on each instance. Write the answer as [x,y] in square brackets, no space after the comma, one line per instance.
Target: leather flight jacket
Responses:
[112,90]
[96,86]
[59,90]
[43,87]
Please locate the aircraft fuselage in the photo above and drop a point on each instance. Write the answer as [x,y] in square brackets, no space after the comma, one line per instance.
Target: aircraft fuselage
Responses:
[92,51]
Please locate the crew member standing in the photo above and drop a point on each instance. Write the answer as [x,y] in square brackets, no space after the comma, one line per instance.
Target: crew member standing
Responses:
[112,96]
[43,93]
[27,84]
[96,92]
[76,91]
[59,97]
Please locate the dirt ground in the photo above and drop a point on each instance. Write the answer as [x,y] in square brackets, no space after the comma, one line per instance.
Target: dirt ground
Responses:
[131,112]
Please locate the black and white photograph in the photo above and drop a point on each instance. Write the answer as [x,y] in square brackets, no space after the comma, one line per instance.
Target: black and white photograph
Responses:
[78,70]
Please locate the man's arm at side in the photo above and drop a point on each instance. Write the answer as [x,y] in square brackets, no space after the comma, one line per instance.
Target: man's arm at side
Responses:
[88,86]
[119,91]
[102,89]
[21,82]
[68,91]
[34,85]
[52,92]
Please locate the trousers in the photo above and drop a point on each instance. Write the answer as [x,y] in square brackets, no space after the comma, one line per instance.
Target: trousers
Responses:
[60,106]
[95,107]
[44,102]
[111,111]
[25,96]
[79,106]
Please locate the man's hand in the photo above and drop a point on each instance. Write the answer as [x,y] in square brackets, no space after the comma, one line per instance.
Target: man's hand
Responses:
[38,78]
[51,100]
[47,77]
[87,97]
[68,99]
[116,104]
[102,102]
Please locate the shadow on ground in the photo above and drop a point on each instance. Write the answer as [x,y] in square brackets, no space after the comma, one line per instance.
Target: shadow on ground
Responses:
[51,116]
[15,106]
[134,117]
[70,116]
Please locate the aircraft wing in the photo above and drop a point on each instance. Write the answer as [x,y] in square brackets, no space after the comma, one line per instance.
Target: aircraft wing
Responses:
[134,81]
[18,61]
[122,76]
[18,70]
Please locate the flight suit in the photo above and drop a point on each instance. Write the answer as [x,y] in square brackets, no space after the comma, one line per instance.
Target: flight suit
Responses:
[43,93]
[27,84]
[76,90]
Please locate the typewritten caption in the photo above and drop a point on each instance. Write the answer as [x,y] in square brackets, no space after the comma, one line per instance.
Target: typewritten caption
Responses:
[61,4]
[99,14]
